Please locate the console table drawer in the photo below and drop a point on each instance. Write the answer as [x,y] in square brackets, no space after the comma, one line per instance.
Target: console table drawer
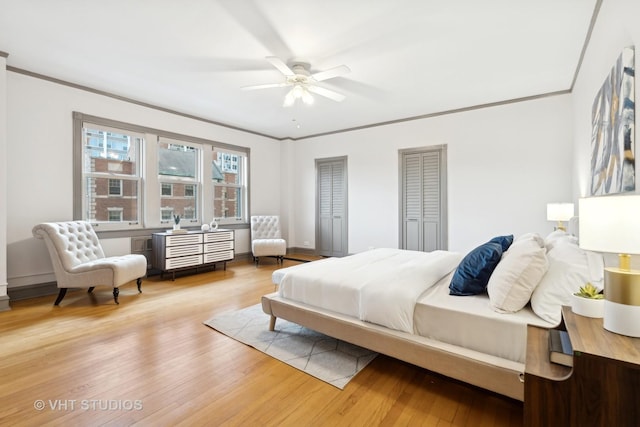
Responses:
[184,261]
[183,239]
[218,246]
[218,236]
[218,256]
[174,251]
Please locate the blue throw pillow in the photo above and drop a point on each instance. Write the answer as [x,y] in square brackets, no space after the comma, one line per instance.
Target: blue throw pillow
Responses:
[472,275]
[504,241]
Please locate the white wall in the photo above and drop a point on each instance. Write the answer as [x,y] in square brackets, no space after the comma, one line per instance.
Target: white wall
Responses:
[504,164]
[617,27]
[39,157]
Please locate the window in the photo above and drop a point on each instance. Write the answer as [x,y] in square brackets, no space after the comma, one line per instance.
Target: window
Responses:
[115,214]
[115,187]
[228,173]
[189,213]
[111,178]
[127,176]
[179,175]
[166,190]
[166,214]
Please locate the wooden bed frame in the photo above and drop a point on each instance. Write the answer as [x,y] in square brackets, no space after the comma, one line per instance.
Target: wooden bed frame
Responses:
[499,375]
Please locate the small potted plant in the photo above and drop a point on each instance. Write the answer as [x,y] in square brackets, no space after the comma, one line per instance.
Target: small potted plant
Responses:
[176,222]
[588,301]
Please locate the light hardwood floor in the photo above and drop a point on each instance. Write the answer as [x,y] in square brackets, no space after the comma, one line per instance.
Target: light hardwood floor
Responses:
[151,361]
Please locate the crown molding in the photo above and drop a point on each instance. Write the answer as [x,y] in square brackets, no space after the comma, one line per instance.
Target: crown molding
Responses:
[129,100]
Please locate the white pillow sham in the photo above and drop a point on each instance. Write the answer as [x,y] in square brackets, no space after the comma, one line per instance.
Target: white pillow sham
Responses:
[518,273]
[569,268]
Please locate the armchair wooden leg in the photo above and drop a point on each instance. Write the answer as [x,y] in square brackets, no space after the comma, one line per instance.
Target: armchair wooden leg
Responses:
[90,289]
[139,283]
[61,294]
[116,292]
[272,323]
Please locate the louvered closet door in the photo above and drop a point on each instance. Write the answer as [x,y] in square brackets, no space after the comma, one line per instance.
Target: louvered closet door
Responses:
[422,201]
[331,224]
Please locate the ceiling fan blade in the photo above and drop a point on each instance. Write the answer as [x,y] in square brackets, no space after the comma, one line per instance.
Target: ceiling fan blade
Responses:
[281,66]
[338,97]
[266,86]
[251,17]
[331,73]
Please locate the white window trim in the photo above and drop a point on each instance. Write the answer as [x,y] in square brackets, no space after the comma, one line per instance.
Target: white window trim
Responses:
[243,168]
[137,178]
[195,181]
[149,185]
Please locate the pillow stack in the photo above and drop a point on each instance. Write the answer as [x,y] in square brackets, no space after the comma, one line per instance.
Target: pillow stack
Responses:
[569,268]
[529,269]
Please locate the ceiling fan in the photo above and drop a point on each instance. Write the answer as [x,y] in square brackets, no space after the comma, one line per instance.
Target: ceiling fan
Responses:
[302,81]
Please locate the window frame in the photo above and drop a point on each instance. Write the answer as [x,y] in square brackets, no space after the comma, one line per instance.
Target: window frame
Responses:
[149,188]
[242,170]
[195,181]
[80,177]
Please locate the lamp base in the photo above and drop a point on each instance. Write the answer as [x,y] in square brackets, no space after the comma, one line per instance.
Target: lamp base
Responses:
[622,301]
[622,319]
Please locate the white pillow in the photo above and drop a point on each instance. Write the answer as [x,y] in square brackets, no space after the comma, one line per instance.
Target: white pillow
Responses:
[558,237]
[569,268]
[516,276]
[530,236]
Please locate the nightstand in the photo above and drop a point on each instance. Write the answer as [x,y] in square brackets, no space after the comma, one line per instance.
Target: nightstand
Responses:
[602,388]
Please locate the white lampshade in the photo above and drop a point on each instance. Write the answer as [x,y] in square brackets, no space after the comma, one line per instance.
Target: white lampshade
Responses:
[559,211]
[610,224]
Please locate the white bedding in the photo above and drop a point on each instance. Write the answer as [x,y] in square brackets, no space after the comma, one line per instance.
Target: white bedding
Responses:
[379,286]
[469,322]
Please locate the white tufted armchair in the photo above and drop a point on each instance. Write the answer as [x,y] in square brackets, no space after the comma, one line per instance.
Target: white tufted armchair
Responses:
[266,239]
[79,261]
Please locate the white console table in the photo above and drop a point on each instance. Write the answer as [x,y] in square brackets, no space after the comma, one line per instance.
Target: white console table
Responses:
[191,250]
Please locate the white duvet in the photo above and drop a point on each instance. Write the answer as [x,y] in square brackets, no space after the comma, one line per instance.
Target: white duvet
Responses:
[379,286]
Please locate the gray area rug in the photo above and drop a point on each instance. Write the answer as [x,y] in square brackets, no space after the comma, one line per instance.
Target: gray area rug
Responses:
[328,359]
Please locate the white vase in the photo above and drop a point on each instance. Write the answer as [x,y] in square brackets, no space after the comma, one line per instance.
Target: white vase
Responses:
[588,307]
[176,226]
[214,225]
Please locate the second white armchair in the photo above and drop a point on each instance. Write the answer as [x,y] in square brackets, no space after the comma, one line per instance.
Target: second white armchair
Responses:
[266,238]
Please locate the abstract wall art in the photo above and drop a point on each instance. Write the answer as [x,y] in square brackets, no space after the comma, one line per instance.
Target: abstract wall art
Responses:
[613,126]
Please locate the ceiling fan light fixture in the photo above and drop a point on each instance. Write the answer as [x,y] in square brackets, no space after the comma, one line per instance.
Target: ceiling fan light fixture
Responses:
[289,98]
[298,92]
[307,98]
[302,82]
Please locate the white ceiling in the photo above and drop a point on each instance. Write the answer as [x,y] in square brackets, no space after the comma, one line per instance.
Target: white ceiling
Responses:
[408,58]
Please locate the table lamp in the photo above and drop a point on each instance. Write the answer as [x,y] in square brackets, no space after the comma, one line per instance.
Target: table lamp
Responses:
[559,212]
[612,224]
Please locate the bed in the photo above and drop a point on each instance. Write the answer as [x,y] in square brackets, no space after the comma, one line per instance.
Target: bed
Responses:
[401,303]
